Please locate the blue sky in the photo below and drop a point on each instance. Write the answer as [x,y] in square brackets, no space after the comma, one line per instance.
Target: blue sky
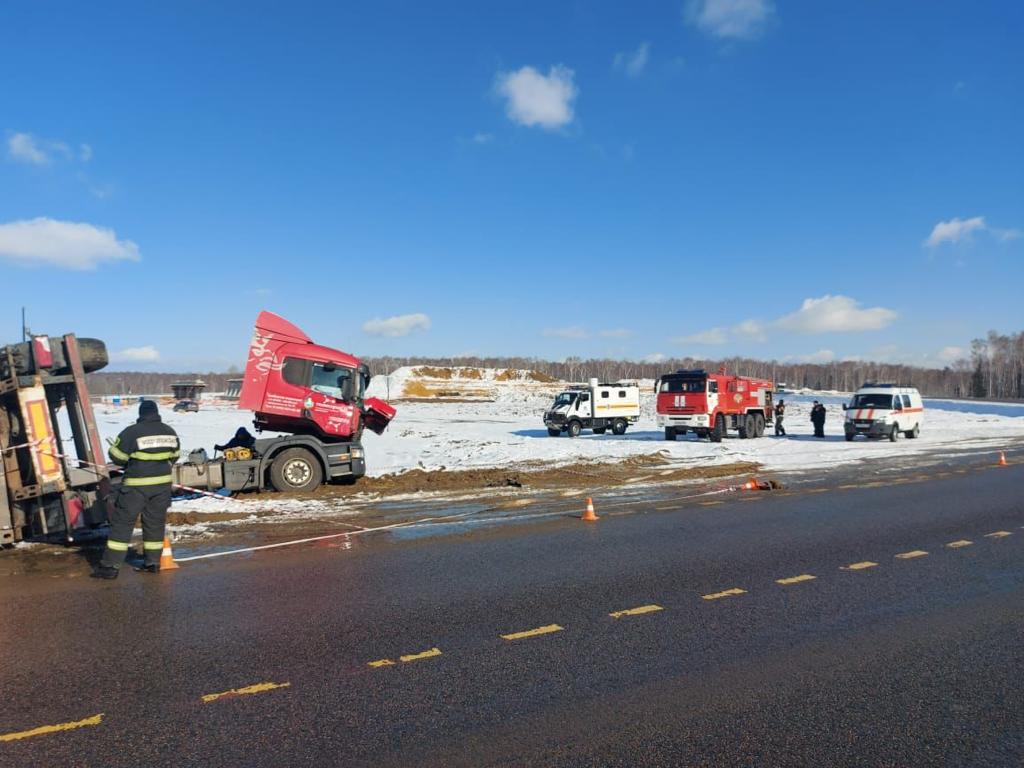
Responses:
[790,180]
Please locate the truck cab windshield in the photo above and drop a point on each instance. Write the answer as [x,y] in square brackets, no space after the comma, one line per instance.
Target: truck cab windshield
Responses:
[682,385]
[331,380]
[872,401]
[565,398]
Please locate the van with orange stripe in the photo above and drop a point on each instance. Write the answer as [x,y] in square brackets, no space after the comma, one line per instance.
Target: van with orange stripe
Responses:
[884,410]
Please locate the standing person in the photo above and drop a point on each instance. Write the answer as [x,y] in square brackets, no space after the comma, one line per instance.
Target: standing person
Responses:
[780,411]
[146,450]
[818,419]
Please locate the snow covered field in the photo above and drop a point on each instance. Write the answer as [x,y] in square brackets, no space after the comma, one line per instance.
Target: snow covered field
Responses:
[509,432]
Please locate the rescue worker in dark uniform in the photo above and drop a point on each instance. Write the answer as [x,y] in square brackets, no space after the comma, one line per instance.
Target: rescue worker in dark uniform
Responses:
[146,450]
[780,411]
[243,439]
[818,419]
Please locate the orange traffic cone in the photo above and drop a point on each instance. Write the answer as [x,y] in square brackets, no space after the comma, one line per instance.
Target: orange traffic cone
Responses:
[750,485]
[167,557]
[1002,459]
[588,514]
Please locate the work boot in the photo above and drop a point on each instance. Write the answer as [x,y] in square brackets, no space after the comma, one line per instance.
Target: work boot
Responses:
[105,572]
[148,568]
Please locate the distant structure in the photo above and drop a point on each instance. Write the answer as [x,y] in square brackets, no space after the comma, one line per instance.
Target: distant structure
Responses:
[233,390]
[188,390]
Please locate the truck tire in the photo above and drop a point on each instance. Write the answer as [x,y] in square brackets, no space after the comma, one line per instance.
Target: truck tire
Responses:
[759,425]
[93,353]
[748,429]
[619,427]
[554,432]
[912,433]
[296,469]
[670,433]
[719,431]
[575,428]
[894,433]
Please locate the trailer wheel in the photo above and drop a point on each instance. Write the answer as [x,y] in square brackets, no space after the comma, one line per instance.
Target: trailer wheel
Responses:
[575,428]
[619,427]
[718,432]
[93,353]
[670,433]
[296,469]
[758,425]
[554,432]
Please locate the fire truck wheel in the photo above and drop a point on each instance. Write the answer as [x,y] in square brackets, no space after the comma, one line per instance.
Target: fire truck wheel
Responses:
[619,427]
[295,469]
[574,428]
[748,429]
[718,432]
[894,433]
[670,433]
[758,425]
[554,432]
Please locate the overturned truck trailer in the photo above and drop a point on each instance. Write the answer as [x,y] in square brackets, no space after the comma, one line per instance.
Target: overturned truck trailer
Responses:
[53,480]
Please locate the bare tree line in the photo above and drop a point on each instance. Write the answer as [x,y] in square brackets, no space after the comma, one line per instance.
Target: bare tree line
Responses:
[995,369]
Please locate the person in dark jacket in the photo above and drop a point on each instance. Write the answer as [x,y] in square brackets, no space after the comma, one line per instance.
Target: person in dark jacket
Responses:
[146,450]
[242,439]
[780,411]
[818,419]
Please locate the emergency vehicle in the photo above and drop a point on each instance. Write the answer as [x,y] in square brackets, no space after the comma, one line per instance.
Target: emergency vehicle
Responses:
[710,404]
[884,410]
[594,406]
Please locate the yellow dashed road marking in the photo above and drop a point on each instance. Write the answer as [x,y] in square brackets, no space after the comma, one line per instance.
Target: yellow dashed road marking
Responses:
[710,503]
[997,534]
[958,544]
[380,663]
[249,689]
[422,655]
[796,579]
[911,554]
[849,486]
[43,729]
[725,593]
[532,632]
[859,566]
[636,611]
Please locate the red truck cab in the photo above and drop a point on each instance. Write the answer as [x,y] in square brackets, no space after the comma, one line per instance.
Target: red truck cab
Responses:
[294,385]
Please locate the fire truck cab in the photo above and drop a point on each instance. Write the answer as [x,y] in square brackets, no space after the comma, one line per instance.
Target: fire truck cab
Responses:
[710,404]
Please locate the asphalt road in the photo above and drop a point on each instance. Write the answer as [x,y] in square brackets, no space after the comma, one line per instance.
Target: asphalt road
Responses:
[904,649]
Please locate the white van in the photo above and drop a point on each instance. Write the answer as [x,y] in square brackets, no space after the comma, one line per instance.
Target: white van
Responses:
[884,410]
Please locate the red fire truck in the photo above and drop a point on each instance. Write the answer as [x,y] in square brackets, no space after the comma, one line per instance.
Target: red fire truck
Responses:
[710,404]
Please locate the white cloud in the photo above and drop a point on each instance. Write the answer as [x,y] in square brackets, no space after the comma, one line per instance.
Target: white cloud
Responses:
[482,138]
[710,336]
[821,356]
[655,357]
[67,244]
[835,314]
[84,153]
[146,354]
[739,19]
[954,230]
[24,148]
[399,325]
[951,354]
[616,333]
[633,63]
[753,330]
[572,332]
[1005,235]
[536,99]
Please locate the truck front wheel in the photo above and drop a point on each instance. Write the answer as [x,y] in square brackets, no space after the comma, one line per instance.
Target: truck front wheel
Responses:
[719,431]
[554,432]
[574,428]
[619,427]
[296,469]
